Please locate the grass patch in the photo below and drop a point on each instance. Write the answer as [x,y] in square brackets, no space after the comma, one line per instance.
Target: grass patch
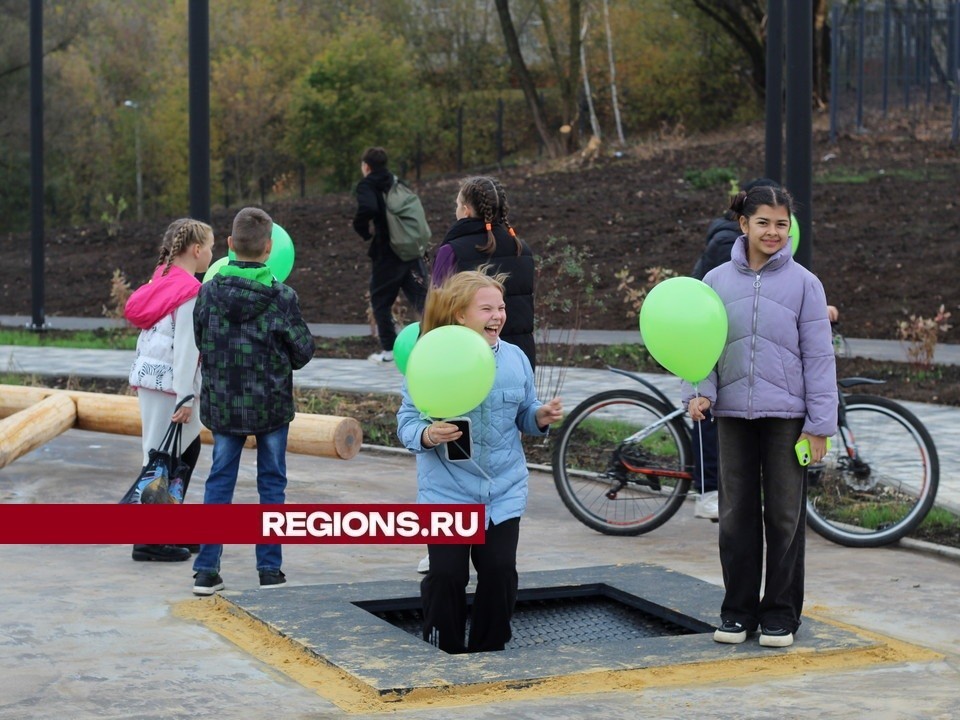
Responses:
[711,177]
[125,339]
[844,176]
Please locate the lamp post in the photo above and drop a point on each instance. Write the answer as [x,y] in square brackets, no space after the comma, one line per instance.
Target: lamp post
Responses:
[135,106]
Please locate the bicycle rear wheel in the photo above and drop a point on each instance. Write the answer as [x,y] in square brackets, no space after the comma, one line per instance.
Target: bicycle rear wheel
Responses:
[613,477]
[878,481]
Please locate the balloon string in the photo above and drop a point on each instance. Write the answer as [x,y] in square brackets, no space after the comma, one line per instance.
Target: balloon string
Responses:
[703,480]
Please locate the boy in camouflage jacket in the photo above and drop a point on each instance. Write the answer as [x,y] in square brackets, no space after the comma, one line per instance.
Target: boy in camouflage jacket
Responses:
[251,338]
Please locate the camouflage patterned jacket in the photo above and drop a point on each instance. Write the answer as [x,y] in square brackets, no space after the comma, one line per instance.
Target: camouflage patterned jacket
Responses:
[251,338]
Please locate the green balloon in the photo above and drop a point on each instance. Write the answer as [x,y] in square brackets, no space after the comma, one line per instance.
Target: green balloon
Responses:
[403,346]
[684,326]
[794,234]
[215,268]
[450,371]
[280,260]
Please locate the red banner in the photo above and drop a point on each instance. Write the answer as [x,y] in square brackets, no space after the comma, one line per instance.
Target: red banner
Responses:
[396,524]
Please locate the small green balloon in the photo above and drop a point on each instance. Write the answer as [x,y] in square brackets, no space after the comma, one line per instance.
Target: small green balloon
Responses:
[282,254]
[403,346]
[684,326]
[215,268]
[450,371]
[794,234]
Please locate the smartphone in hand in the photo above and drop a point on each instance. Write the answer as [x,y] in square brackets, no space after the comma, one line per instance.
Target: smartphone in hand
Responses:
[462,448]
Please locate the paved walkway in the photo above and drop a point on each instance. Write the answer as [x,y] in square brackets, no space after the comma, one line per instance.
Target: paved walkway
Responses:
[360,375]
[86,633]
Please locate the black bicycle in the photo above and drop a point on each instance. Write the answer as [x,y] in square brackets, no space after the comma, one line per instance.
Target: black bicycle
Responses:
[623,465]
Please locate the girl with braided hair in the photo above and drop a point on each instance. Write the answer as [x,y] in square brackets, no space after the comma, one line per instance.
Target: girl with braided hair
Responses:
[166,370]
[483,235]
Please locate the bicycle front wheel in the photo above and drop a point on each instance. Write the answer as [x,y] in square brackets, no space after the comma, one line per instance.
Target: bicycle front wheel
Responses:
[618,466]
[878,481]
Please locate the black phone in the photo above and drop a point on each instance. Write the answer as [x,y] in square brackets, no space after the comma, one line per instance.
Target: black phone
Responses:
[462,447]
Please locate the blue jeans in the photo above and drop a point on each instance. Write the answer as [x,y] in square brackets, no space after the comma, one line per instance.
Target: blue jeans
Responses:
[271,485]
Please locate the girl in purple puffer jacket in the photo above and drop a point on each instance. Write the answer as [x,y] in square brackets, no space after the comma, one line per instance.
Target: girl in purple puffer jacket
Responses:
[774,385]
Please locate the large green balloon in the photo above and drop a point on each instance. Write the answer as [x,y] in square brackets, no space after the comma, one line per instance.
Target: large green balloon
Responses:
[403,346]
[215,268]
[281,257]
[794,234]
[450,371]
[684,326]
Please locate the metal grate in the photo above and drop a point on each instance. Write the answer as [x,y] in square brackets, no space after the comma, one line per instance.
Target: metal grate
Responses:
[563,621]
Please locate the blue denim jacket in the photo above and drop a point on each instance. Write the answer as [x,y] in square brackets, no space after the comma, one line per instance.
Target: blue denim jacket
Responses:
[497,477]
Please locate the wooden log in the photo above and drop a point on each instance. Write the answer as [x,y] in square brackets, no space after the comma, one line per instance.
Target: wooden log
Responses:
[35,425]
[320,435]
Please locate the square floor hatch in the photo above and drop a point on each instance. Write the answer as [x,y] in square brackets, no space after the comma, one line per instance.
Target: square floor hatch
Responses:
[557,616]
[581,620]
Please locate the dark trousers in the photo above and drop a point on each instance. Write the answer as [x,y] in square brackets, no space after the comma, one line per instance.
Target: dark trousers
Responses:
[387,280]
[705,468]
[444,591]
[762,494]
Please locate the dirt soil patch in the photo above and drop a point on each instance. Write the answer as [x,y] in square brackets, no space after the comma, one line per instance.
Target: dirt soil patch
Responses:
[885,211]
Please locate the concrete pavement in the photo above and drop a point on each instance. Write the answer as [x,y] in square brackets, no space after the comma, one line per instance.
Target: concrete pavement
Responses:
[87,633]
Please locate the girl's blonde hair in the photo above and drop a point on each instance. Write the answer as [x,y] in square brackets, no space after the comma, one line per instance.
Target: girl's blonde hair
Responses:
[180,235]
[454,295]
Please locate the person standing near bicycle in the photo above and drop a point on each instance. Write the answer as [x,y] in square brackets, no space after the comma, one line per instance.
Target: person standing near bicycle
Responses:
[721,234]
[774,385]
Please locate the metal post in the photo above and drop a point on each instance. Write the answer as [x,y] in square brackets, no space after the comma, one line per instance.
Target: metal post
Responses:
[955,32]
[460,138]
[774,91]
[861,51]
[135,106]
[36,163]
[928,52]
[199,53]
[886,54]
[834,72]
[499,132]
[800,121]
[907,26]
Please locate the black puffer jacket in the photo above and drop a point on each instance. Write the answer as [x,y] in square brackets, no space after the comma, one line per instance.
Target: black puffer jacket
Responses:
[371,206]
[721,235]
[464,238]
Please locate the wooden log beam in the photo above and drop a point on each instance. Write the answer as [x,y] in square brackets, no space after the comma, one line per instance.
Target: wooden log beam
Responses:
[35,425]
[320,435]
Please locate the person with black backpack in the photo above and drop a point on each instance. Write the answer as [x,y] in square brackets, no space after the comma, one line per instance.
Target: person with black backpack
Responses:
[397,261]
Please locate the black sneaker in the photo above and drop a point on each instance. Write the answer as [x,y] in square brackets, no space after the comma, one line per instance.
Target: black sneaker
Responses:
[207,583]
[160,553]
[194,549]
[775,636]
[730,632]
[271,579]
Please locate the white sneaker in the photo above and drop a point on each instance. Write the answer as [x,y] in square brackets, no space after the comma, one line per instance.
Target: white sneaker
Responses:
[384,356]
[424,567]
[706,506]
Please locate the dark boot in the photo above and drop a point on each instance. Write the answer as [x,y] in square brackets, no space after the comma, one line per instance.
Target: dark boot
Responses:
[160,553]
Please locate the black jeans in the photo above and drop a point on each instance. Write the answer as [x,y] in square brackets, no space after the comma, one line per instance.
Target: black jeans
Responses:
[386,282]
[444,591]
[762,492]
[708,463]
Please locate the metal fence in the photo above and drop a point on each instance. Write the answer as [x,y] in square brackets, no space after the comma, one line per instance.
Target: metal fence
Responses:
[891,55]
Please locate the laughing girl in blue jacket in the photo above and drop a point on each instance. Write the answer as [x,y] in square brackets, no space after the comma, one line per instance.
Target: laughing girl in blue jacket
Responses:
[496,477]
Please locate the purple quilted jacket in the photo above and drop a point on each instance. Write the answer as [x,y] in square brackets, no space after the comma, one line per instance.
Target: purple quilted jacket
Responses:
[779,359]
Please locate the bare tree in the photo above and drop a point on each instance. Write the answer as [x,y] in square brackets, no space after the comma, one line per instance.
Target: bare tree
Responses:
[594,123]
[613,73]
[567,80]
